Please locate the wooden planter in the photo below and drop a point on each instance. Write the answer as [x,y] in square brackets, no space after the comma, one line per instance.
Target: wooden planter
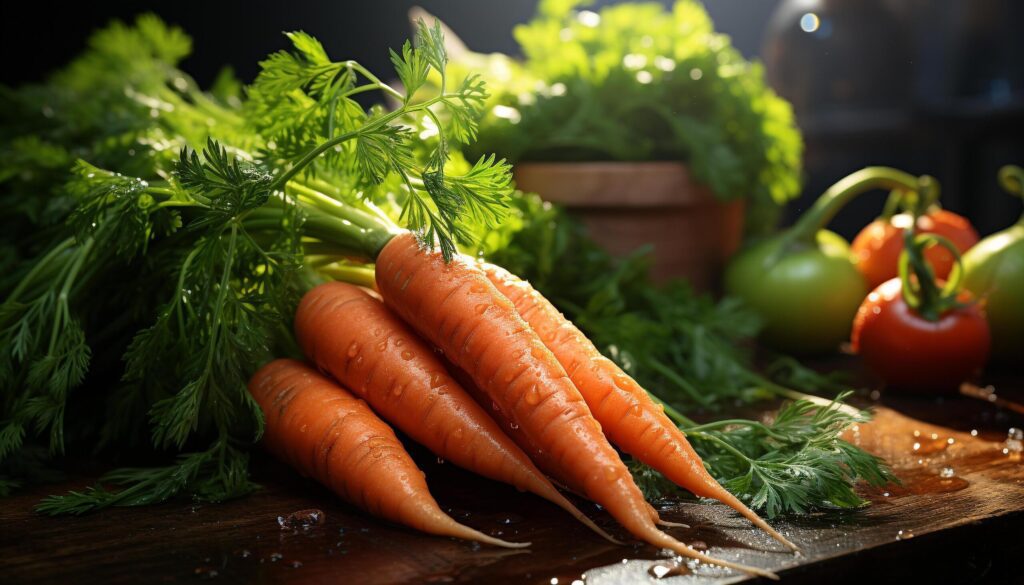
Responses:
[628,205]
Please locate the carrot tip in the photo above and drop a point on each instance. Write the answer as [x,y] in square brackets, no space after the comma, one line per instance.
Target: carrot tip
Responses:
[481,537]
[776,535]
[669,524]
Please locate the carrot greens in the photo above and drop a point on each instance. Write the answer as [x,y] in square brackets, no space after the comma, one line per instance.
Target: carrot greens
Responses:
[221,223]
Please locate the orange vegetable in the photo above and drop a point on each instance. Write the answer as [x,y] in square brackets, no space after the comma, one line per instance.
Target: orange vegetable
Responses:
[457,308]
[326,433]
[357,340]
[877,247]
[630,419]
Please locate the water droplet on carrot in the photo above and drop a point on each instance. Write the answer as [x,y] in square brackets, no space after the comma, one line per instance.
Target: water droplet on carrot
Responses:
[611,473]
[532,396]
[397,390]
[514,426]
[399,342]
[407,355]
[382,346]
[353,350]
[636,409]
[436,379]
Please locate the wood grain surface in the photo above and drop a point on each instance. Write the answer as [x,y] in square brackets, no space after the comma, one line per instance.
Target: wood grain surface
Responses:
[957,526]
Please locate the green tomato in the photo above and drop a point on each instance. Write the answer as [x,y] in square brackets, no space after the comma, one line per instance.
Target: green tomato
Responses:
[994,272]
[806,294]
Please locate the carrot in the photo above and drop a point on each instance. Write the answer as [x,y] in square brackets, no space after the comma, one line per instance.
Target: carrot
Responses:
[631,420]
[353,337]
[327,434]
[457,308]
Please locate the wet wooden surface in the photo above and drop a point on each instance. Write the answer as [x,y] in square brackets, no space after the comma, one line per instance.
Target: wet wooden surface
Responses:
[958,518]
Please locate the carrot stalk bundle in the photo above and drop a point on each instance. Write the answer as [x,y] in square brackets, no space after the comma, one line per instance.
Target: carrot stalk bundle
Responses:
[456,307]
[357,340]
[327,434]
[629,417]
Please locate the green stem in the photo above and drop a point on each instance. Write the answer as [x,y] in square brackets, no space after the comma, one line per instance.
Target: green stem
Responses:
[62,296]
[725,445]
[341,138]
[37,267]
[923,293]
[375,80]
[357,275]
[676,416]
[791,394]
[718,424]
[838,195]
[676,379]
[332,206]
[1011,178]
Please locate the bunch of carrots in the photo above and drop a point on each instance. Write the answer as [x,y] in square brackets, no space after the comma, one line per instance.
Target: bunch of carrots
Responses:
[440,343]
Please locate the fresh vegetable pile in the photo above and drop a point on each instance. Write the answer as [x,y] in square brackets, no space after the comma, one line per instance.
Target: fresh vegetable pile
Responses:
[632,82]
[932,317]
[159,240]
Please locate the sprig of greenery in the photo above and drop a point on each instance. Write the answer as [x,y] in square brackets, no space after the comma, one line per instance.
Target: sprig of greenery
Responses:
[796,463]
[214,475]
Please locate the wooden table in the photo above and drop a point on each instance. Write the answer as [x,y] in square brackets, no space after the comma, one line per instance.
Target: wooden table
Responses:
[966,527]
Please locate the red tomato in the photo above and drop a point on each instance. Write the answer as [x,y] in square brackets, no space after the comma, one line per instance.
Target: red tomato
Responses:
[877,247]
[911,353]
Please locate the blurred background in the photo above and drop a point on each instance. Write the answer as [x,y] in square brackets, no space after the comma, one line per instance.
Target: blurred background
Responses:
[930,86]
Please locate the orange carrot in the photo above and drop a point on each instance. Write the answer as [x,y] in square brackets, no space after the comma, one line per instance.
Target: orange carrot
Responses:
[457,308]
[353,337]
[327,434]
[629,417]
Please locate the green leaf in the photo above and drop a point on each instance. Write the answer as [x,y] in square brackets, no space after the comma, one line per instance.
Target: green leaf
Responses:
[412,68]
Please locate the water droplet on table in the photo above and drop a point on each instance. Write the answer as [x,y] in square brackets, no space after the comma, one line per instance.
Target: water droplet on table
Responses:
[205,572]
[302,519]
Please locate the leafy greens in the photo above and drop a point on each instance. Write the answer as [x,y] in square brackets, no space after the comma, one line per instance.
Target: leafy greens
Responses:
[193,263]
[634,82]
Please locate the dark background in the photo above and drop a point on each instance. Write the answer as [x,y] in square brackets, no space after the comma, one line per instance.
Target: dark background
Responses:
[930,86]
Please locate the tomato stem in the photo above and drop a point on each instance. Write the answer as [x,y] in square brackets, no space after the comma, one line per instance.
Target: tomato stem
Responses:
[841,193]
[923,293]
[917,203]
